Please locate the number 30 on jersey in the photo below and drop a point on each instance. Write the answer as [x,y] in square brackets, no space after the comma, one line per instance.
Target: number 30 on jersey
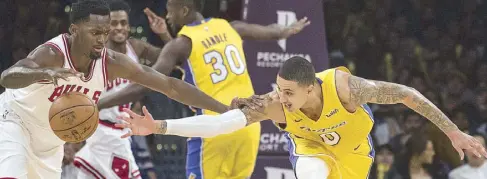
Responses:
[231,56]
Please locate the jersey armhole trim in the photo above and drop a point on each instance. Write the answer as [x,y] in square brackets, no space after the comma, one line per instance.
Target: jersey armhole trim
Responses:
[104,68]
[55,46]
[338,97]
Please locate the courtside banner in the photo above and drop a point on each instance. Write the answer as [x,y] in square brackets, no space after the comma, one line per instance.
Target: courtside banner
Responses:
[273,167]
[265,57]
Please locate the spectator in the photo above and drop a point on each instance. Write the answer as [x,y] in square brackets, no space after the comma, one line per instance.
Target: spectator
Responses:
[475,168]
[417,156]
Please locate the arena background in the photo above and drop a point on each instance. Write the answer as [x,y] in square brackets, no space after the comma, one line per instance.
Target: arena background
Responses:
[435,46]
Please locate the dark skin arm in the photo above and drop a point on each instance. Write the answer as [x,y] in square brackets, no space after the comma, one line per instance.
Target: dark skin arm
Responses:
[270,32]
[145,50]
[120,66]
[175,51]
[43,63]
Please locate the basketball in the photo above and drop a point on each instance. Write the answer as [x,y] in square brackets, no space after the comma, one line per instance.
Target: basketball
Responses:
[73,117]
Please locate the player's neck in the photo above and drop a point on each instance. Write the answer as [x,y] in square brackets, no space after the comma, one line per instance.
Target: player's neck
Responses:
[80,59]
[196,17]
[118,47]
[314,104]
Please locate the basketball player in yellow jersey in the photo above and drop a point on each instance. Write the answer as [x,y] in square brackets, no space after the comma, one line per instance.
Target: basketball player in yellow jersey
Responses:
[325,115]
[210,51]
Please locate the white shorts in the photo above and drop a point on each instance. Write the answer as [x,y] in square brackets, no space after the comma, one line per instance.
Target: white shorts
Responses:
[18,158]
[106,155]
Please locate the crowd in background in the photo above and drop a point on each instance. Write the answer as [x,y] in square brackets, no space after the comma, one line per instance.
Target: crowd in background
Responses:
[434,46]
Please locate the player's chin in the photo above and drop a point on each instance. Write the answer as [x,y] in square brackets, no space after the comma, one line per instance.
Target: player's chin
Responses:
[95,55]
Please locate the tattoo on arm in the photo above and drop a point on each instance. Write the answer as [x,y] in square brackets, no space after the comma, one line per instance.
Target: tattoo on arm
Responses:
[363,91]
[161,127]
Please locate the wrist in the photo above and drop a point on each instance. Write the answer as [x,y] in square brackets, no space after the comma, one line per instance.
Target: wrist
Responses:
[159,127]
[452,132]
[165,36]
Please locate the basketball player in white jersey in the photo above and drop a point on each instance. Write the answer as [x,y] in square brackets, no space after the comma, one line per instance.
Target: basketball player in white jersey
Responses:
[105,153]
[69,62]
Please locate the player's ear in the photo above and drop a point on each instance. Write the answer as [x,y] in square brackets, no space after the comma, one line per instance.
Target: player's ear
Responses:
[73,29]
[185,11]
[310,88]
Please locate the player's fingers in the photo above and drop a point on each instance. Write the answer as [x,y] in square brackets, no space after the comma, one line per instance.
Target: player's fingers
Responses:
[54,81]
[64,77]
[131,113]
[128,134]
[149,12]
[122,125]
[483,152]
[459,150]
[146,112]
[126,119]
[475,152]
[149,15]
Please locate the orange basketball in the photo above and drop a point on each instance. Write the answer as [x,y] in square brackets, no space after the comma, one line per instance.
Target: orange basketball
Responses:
[73,117]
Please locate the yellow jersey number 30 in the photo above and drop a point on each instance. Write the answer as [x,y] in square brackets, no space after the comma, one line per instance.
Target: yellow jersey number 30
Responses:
[233,58]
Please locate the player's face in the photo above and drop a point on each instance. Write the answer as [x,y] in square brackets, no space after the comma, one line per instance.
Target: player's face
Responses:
[176,13]
[119,26]
[428,153]
[292,95]
[92,34]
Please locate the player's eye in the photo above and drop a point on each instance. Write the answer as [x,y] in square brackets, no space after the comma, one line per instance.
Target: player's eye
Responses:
[289,93]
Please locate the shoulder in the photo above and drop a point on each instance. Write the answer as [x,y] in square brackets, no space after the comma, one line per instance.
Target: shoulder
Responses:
[182,43]
[47,55]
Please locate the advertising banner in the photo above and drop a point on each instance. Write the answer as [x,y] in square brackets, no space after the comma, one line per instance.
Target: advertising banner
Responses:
[265,57]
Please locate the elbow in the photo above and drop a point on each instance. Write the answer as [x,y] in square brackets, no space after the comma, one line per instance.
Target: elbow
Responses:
[410,94]
[7,81]
[173,84]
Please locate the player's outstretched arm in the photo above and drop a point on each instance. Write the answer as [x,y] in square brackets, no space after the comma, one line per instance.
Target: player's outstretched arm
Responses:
[253,110]
[357,91]
[269,32]
[174,52]
[43,63]
[119,65]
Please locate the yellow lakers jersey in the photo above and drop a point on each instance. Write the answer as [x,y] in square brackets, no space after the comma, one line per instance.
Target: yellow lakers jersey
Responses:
[217,64]
[337,131]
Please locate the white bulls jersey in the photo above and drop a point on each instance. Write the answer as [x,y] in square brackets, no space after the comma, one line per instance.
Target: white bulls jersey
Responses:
[111,114]
[32,103]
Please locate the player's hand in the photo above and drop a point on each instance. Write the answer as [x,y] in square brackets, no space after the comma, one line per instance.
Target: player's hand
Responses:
[157,23]
[462,141]
[138,125]
[296,27]
[254,102]
[54,74]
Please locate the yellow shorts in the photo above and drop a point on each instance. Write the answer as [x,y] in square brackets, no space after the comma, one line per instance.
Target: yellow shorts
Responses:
[353,165]
[229,156]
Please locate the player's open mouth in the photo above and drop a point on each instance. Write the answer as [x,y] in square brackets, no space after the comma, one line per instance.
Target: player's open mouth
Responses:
[288,106]
[98,48]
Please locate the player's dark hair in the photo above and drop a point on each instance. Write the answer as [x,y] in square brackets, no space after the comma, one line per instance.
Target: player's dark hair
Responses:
[196,5]
[298,69]
[119,5]
[81,10]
